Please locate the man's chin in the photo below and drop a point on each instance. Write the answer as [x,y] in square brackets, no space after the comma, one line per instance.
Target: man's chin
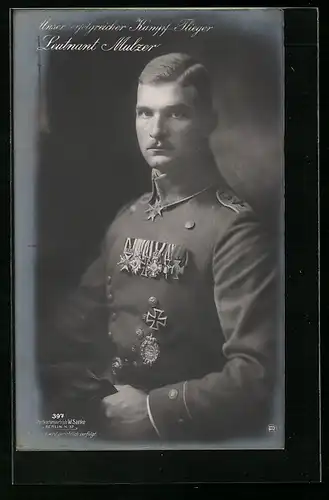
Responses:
[159,161]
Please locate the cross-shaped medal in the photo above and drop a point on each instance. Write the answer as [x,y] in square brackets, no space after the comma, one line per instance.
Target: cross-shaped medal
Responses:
[125,259]
[177,269]
[155,319]
[154,210]
[136,263]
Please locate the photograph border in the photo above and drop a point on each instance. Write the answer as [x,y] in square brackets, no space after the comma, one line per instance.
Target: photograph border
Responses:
[299,33]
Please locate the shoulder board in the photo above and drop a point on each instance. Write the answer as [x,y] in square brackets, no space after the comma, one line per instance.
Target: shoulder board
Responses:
[230,200]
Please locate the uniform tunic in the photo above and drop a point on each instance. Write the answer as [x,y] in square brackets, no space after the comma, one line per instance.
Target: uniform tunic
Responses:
[181,305]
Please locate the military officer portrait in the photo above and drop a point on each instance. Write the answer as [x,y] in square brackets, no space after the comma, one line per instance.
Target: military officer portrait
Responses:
[171,335]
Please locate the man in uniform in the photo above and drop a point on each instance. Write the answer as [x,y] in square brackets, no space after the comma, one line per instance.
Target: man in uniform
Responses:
[178,312]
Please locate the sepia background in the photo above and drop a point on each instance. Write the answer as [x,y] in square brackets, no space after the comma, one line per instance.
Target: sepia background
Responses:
[76,155]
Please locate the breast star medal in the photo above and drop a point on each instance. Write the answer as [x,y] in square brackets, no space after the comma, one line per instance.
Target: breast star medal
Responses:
[149,350]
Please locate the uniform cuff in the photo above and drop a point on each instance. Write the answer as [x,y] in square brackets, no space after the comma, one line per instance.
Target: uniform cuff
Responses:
[151,416]
[169,411]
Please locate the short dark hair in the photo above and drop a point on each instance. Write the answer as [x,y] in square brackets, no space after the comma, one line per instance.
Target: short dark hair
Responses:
[183,69]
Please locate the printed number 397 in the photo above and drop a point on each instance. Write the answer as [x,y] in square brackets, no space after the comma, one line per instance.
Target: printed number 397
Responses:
[57,415]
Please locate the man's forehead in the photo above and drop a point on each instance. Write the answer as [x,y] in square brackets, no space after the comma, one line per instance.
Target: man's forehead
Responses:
[165,93]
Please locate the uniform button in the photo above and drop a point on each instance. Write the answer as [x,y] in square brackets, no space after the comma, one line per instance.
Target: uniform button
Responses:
[109,334]
[110,297]
[114,316]
[173,393]
[109,279]
[180,420]
[153,301]
[189,224]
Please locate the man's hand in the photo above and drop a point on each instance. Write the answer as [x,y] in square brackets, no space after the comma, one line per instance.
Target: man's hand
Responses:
[127,414]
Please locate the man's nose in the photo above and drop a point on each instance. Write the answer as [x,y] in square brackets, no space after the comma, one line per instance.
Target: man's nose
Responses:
[157,128]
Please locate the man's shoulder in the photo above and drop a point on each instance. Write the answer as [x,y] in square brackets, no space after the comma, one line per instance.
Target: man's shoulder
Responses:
[221,208]
[225,203]
[145,198]
[226,197]
[131,205]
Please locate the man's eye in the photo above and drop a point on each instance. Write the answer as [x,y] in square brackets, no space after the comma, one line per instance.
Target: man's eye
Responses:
[177,114]
[144,113]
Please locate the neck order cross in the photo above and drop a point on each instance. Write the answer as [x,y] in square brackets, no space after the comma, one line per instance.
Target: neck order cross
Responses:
[157,208]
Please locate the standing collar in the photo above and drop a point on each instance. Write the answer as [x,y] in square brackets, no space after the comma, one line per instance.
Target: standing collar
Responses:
[171,188]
